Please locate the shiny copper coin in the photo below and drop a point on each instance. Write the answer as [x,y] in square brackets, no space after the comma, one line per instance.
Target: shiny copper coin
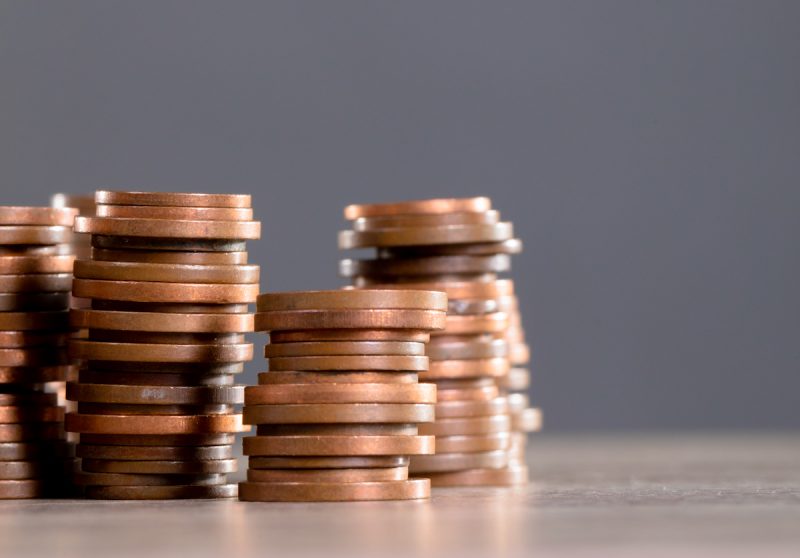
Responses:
[456,290]
[422,236]
[190,467]
[168,273]
[338,445]
[148,425]
[471,426]
[168,228]
[432,265]
[344,348]
[351,335]
[151,352]
[36,302]
[31,432]
[333,492]
[510,246]
[172,492]
[17,489]
[517,379]
[172,199]
[352,299]
[161,337]
[337,429]
[155,453]
[458,461]
[382,461]
[13,414]
[129,479]
[35,356]
[158,440]
[369,362]
[22,215]
[322,413]
[34,234]
[20,375]
[483,323]
[155,395]
[15,265]
[176,212]
[356,319]
[372,474]
[430,206]
[459,409]
[268,378]
[184,258]
[340,393]
[529,420]
[152,291]
[507,476]
[443,369]
[36,282]
[469,444]
[480,348]
[426,220]
[149,244]
[161,322]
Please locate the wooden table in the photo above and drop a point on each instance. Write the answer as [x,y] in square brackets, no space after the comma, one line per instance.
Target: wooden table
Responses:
[591,495]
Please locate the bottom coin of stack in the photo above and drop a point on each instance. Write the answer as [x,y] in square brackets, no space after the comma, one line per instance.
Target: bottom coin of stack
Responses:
[337,413]
[35,277]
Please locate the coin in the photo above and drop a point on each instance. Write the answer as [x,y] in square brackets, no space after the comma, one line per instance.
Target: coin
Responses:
[158,440]
[399,335]
[338,445]
[332,491]
[189,467]
[382,461]
[173,492]
[34,234]
[155,453]
[510,246]
[176,212]
[168,228]
[479,348]
[458,461]
[372,474]
[36,356]
[337,429]
[467,426]
[431,265]
[184,258]
[431,206]
[339,393]
[426,220]
[152,395]
[198,369]
[357,319]
[174,199]
[148,425]
[37,375]
[169,307]
[459,289]
[446,369]
[467,394]
[166,272]
[153,291]
[14,489]
[35,302]
[47,216]
[321,413]
[130,479]
[344,348]
[152,410]
[146,243]
[422,236]
[508,476]
[21,451]
[473,325]
[154,379]
[39,282]
[473,306]
[153,352]
[30,398]
[269,378]
[358,362]
[349,299]
[528,420]
[469,444]
[518,379]
[459,409]
[161,322]
[517,402]
[13,414]
[15,265]
[31,432]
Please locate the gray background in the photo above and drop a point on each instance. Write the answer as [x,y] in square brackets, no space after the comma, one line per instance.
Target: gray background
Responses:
[647,152]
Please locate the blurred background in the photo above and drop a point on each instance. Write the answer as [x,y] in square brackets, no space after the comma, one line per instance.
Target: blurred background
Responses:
[647,152]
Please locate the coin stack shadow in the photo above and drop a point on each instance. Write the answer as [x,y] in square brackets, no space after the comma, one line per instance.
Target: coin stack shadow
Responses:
[337,415]
[458,246]
[169,286]
[35,278]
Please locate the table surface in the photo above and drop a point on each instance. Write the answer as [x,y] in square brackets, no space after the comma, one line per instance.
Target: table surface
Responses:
[590,495]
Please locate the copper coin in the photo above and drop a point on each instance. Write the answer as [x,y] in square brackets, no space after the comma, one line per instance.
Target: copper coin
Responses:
[269,378]
[517,402]
[34,234]
[20,375]
[460,289]
[151,352]
[21,215]
[168,273]
[470,444]
[473,306]
[149,244]
[432,265]
[528,420]
[31,432]
[154,379]
[155,395]
[38,282]
[372,474]
[519,354]
[340,393]
[137,424]
[467,394]
[128,479]
[373,281]
[152,410]
[60,249]
[144,291]
[510,246]
[337,429]
[369,362]
[36,356]
[19,470]
[458,461]
[342,348]
[483,323]
[461,409]
[357,319]
[431,206]
[173,199]
[16,489]
[161,338]
[421,236]
[38,398]
[443,369]
[374,335]
[338,445]
[199,369]
[161,322]
[35,264]
[426,220]
[321,413]
[333,492]
[13,414]
[158,440]
[382,461]
[37,302]
[159,467]
[507,476]
[465,383]
[481,348]
[176,212]
[173,492]
[168,228]
[471,426]
[169,307]
[83,203]
[185,258]
[21,451]
[352,299]
[517,379]
[155,453]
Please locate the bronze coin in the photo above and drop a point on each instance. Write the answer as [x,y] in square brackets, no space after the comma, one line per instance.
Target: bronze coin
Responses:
[338,445]
[517,379]
[152,352]
[333,492]
[528,420]
[168,307]
[60,249]
[155,395]
[426,220]
[473,306]
[369,335]
[144,291]
[48,216]
[167,273]
[38,282]
[162,337]
[469,444]
[155,453]
[431,265]
[28,398]
[458,461]
[21,470]
[372,474]
[510,246]
[191,467]
[463,409]
[322,413]
[20,375]
[185,258]
[128,479]
[17,489]
[198,369]
[471,426]
[31,432]
[457,290]
[149,244]
[345,319]
[176,212]
[467,394]
[158,440]
[168,228]
[352,299]
[481,348]
[382,461]
[516,475]
[18,265]
[36,302]
[431,206]
[154,379]
[172,199]
[22,451]
[13,414]
[35,356]
[172,492]
[444,369]
[34,234]
[344,348]
[268,378]
[149,425]
[465,383]
[483,323]
[340,393]
[337,429]
[358,362]
[152,410]
[421,236]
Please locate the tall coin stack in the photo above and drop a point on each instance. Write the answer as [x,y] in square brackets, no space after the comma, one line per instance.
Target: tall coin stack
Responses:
[458,246]
[169,286]
[337,413]
[35,278]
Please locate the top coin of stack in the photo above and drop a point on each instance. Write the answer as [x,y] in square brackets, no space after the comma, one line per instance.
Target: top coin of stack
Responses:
[35,277]
[458,246]
[169,286]
[337,413]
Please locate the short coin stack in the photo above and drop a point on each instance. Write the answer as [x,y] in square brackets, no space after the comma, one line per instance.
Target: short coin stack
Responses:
[458,246]
[35,278]
[337,413]
[169,286]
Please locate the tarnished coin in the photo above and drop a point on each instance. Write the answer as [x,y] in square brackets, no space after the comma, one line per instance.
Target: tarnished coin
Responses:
[430,206]
[168,228]
[148,425]
[350,335]
[158,440]
[270,378]
[344,319]
[329,463]
[172,199]
[147,243]
[322,413]
[153,291]
[344,348]
[155,453]
[339,393]
[13,414]
[47,216]
[510,475]
[338,445]
[423,236]
[36,282]
[16,489]
[34,302]
[34,356]
[34,234]
[166,272]
[469,444]
[22,451]
[510,246]
[31,432]
[458,461]
[478,348]
[153,352]
[459,409]
[426,220]
[155,395]
[444,369]
[161,322]
[176,213]
[172,492]
[371,474]
[27,321]
[471,426]
[37,375]
[413,489]
[129,479]
[183,258]
[359,362]
[31,398]
[352,299]
[431,265]
[16,265]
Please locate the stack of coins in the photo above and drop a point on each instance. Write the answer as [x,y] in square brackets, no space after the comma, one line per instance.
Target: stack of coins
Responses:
[458,246]
[337,413]
[169,286]
[35,278]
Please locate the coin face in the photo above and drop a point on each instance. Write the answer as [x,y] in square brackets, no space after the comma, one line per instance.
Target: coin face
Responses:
[34,234]
[337,377]
[431,265]
[426,220]
[467,426]
[157,352]
[155,395]
[155,453]
[328,463]
[369,474]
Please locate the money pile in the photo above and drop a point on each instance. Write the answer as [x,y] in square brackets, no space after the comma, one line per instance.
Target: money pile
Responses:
[337,413]
[35,279]
[169,286]
[458,246]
